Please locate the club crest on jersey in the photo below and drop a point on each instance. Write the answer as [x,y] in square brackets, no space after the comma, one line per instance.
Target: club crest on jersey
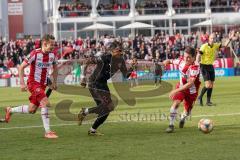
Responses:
[38,90]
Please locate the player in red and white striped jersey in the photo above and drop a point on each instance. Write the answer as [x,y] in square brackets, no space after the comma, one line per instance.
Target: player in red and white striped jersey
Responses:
[187,88]
[40,61]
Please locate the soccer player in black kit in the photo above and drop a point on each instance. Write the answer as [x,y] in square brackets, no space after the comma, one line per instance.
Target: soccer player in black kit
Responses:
[106,66]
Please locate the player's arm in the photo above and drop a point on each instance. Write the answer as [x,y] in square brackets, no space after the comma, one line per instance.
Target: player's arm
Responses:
[171,61]
[187,85]
[230,37]
[194,72]
[21,75]
[27,61]
[184,87]
[126,72]
[91,60]
[166,62]
[198,58]
[54,74]
[200,53]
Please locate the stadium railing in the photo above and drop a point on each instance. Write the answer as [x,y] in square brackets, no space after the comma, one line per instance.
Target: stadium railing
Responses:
[147,11]
[75,13]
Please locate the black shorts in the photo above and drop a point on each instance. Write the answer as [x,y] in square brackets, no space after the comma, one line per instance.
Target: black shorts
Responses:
[208,72]
[100,93]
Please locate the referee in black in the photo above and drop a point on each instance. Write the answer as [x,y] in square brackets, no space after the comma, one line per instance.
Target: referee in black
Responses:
[207,56]
[106,66]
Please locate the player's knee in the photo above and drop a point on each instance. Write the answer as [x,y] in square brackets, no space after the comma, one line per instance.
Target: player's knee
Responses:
[32,110]
[45,102]
[176,104]
[111,106]
[207,85]
[211,86]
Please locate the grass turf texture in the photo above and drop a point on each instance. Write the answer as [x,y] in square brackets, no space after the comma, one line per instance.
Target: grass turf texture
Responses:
[126,139]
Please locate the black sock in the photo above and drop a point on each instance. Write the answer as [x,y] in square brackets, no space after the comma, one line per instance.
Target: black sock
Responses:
[99,121]
[209,94]
[204,89]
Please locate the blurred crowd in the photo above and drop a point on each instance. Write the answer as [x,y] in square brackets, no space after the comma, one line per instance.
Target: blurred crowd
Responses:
[160,46]
[76,8]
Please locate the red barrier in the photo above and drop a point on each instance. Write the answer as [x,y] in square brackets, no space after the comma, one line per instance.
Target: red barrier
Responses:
[218,63]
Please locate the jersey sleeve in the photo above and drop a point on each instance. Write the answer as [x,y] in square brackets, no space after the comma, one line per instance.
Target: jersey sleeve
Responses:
[30,58]
[194,71]
[217,45]
[55,60]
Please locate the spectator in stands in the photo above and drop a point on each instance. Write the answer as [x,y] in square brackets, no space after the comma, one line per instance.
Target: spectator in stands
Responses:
[141,47]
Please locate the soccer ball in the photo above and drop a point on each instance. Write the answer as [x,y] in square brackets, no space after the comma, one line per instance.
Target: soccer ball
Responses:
[205,125]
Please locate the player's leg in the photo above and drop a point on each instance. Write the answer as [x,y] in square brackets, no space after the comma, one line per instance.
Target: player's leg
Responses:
[99,121]
[210,87]
[155,79]
[136,81]
[83,80]
[173,115]
[93,110]
[177,99]
[206,78]
[41,98]
[102,97]
[24,109]
[188,105]
[44,105]
[132,82]
[102,117]
[131,78]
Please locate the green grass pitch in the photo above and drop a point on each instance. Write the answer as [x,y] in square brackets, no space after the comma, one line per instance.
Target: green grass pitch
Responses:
[126,136]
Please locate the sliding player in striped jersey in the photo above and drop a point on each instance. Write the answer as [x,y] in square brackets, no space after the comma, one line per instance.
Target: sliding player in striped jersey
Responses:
[187,89]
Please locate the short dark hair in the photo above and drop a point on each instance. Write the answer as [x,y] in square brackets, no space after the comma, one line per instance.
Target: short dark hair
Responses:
[48,37]
[191,51]
[115,44]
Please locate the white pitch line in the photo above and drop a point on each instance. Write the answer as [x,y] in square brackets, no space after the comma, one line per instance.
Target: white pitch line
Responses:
[54,125]
[75,124]
[217,115]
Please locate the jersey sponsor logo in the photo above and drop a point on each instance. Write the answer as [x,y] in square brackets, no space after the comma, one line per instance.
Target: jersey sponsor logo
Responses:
[44,64]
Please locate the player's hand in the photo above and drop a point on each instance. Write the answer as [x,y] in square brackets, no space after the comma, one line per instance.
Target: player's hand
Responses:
[23,87]
[231,34]
[172,94]
[53,86]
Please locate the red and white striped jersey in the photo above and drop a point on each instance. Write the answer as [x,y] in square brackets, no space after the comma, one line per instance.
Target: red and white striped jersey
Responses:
[187,72]
[40,64]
